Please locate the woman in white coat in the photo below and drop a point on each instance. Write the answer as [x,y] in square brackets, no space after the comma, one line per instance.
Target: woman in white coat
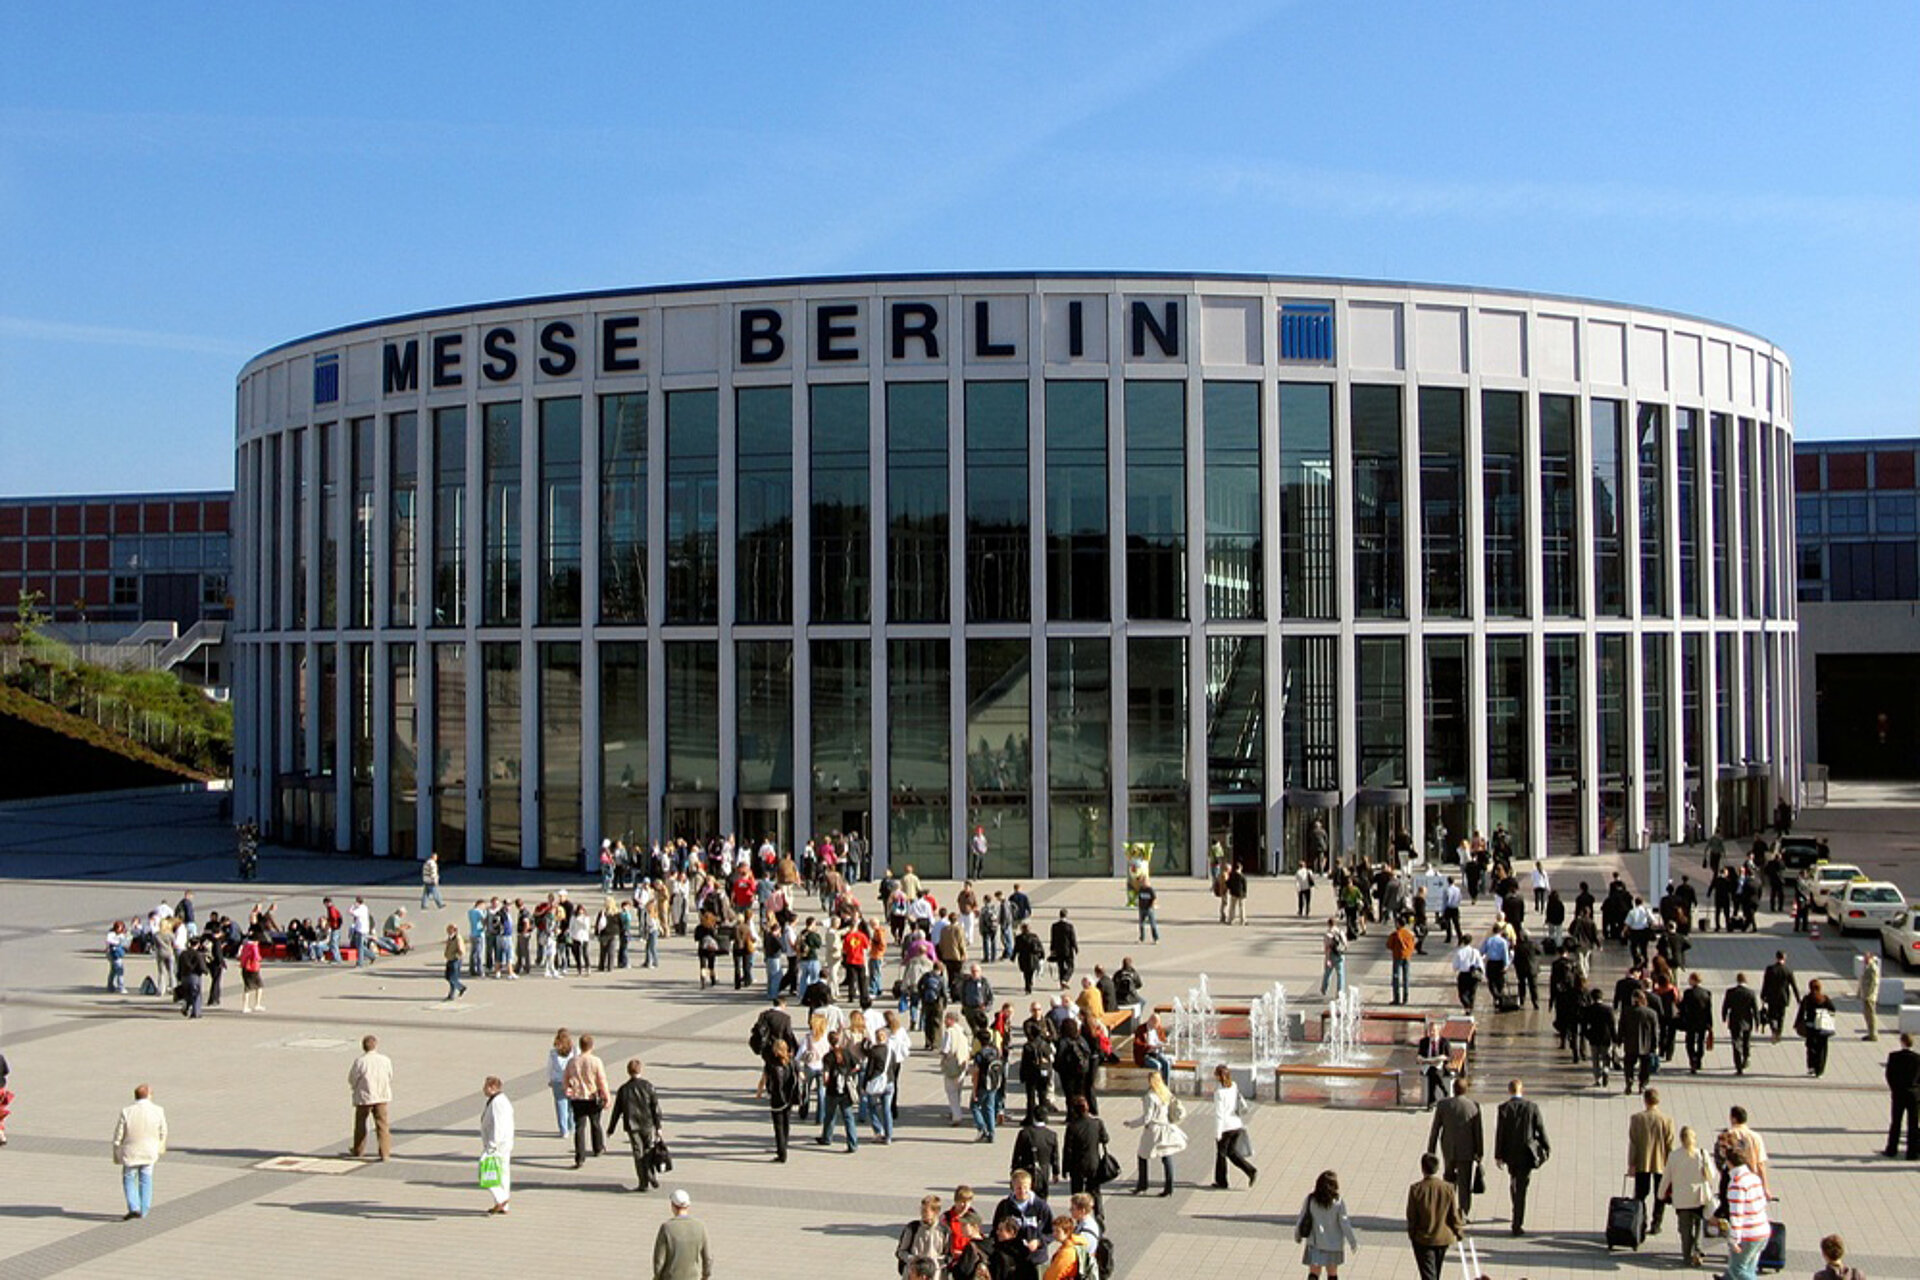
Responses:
[1230,1141]
[1161,1137]
[1691,1182]
[496,1139]
[1325,1228]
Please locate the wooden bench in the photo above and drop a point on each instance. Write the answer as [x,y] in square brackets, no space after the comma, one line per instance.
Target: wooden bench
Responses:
[1461,1032]
[1124,1078]
[1307,1070]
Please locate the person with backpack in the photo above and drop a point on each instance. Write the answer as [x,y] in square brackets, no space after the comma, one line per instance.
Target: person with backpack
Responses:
[1333,948]
[931,999]
[989,1078]
[1036,1068]
[1072,1254]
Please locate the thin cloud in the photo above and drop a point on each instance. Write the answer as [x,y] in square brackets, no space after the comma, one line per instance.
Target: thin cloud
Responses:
[29,329]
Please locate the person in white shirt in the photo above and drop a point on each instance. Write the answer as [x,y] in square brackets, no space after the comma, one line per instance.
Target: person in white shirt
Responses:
[1229,1132]
[362,918]
[496,1139]
[1540,885]
[139,1140]
[1303,885]
[1468,965]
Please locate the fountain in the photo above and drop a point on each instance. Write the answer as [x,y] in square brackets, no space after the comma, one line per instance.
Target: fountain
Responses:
[1341,1046]
[1267,1030]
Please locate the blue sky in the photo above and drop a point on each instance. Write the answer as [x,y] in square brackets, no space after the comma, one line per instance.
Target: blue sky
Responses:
[182,186]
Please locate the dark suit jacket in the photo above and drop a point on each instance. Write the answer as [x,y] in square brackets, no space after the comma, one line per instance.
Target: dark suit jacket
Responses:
[1639,1030]
[635,1108]
[1903,1073]
[1433,1213]
[1457,1133]
[1066,943]
[1037,1150]
[1739,1008]
[1778,986]
[1085,1137]
[774,1026]
[1520,1134]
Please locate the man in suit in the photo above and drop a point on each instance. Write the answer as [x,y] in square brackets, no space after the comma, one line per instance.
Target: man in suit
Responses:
[1461,1139]
[636,1108]
[1036,1149]
[139,1140]
[773,1026]
[1519,1146]
[1639,1038]
[1650,1139]
[1065,945]
[1434,1220]
[1778,989]
[1435,1052]
[1903,1083]
[1740,1010]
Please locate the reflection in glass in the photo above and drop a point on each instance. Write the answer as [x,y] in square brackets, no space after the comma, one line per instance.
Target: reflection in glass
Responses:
[1380,710]
[1560,695]
[1609,490]
[403,763]
[561,710]
[842,505]
[763,679]
[763,429]
[500,792]
[1503,496]
[1693,730]
[360,746]
[692,718]
[1687,461]
[623,741]
[1443,514]
[1379,537]
[1559,566]
[360,549]
[560,516]
[1307,525]
[1719,448]
[1610,716]
[450,751]
[917,504]
[1079,756]
[403,470]
[693,508]
[1236,745]
[918,756]
[1749,563]
[1156,424]
[1652,458]
[1653,734]
[842,729]
[1077,501]
[1508,775]
[500,469]
[623,509]
[998,576]
[1232,427]
[450,517]
[1449,738]
[297,453]
[329,434]
[1157,781]
[1310,712]
[1000,753]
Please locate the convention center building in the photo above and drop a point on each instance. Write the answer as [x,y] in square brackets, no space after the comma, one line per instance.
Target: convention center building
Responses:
[1081,561]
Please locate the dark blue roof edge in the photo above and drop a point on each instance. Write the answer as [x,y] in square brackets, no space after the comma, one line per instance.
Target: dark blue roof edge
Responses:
[159,495]
[923,277]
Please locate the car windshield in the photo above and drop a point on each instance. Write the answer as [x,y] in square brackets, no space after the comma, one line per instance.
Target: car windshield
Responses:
[1876,895]
[1838,873]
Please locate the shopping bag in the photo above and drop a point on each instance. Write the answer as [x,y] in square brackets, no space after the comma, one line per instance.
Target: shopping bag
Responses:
[490,1169]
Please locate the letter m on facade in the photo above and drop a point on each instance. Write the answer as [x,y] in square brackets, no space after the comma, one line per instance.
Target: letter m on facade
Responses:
[1306,331]
[400,367]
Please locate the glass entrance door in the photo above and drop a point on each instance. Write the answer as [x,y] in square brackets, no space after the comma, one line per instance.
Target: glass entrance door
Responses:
[766,817]
[1240,829]
[693,816]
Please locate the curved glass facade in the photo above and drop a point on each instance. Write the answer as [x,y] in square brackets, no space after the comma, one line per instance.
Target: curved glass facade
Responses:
[1082,561]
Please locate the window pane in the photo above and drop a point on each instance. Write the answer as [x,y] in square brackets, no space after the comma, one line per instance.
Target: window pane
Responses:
[1507,710]
[1381,710]
[1157,780]
[1079,756]
[501,467]
[842,504]
[360,556]
[764,467]
[693,509]
[1559,568]
[450,751]
[692,719]
[1566,777]
[1232,476]
[1610,713]
[360,745]
[1687,462]
[1443,516]
[560,522]
[623,741]
[1653,734]
[1156,500]
[623,511]
[917,506]
[1000,753]
[918,756]
[763,678]
[1449,738]
[1310,706]
[1503,495]
[1653,511]
[1307,524]
[1609,535]
[842,729]
[329,468]
[302,504]
[1379,548]
[403,759]
[1719,451]
[500,793]
[1076,426]
[449,517]
[561,838]
[998,576]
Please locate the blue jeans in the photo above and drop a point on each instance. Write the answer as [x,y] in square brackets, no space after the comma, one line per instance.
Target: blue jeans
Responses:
[776,970]
[653,951]
[1743,1260]
[1402,980]
[333,946]
[561,1110]
[1336,966]
[1148,920]
[877,1109]
[833,1107]
[809,974]
[1159,1062]
[454,985]
[431,893]
[985,1107]
[116,974]
[137,1181]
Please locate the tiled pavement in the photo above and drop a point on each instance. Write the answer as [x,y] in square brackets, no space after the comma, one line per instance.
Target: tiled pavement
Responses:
[242,1090]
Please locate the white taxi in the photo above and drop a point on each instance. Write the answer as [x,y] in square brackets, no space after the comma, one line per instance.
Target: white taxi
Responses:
[1900,939]
[1823,879]
[1862,906]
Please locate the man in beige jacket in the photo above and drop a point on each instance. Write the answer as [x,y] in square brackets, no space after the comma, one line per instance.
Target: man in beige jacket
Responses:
[139,1140]
[585,1084]
[371,1079]
[1650,1139]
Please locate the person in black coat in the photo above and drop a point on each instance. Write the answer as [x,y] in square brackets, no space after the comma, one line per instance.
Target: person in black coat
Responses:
[1036,1149]
[1740,1010]
[1029,953]
[1080,1158]
[1903,1084]
[1073,1062]
[1064,946]
[773,1026]
[1778,989]
[1639,1038]
[636,1108]
[783,1095]
[1519,1146]
[1695,1016]
[1596,1024]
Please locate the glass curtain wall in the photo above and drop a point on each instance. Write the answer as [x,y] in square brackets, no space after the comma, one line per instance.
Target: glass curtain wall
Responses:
[562,841]
[693,510]
[917,502]
[623,512]
[1559,498]
[999,586]
[302,503]
[1000,752]
[1693,733]
[403,747]
[500,731]
[1653,735]
[450,751]
[1379,533]
[273,610]
[919,758]
[360,533]
[1157,779]
[450,517]
[763,681]
[1232,483]
[560,514]
[1503,498]
[1566,778]
[1749,563]
[1380,743]
[692,724]
[360,746]
[1076,477]
[1509,767]
[1609,491]
[1687,461]
[1652,448]
[328,434]
[1448,744]
[1719,448]
[763,428]
[1237,748]
[842,728]
[842,507]
[1307,524]
[1610,710]
[1156,426]
[623,742]
[1080,756]
[1443,492]
[500,469]
[1310,712]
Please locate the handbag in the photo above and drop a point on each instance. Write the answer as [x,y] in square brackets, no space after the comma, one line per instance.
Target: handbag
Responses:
[490,1171]
[1823,1021]
[1303,1228]
[1108,1169]
[659,1157]
[1479,1178]
[1709,1039]
[878,1085]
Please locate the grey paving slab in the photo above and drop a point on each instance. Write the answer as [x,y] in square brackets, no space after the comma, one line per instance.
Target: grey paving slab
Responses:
[242,1090]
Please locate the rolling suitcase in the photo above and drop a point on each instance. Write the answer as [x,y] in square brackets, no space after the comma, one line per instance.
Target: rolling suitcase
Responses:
[1773,1255]
[1626,1221]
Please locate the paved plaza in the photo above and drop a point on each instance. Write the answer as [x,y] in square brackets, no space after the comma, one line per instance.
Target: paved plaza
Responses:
[242,1092]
